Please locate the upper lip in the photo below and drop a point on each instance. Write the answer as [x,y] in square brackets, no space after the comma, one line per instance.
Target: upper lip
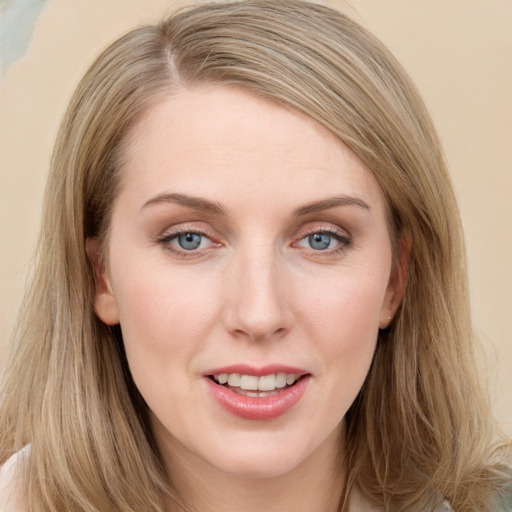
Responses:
[258,371]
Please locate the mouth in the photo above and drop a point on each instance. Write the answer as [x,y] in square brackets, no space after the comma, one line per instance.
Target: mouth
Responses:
[257,394]
[254,386]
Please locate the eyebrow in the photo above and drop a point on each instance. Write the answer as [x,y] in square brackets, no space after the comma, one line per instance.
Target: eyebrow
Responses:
[196,203]
[205,205]
[330,202]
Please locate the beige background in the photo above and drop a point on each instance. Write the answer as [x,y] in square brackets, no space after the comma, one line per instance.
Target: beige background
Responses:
[458,52]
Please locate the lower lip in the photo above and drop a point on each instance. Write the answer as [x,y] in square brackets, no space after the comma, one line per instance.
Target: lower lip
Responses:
[258,408]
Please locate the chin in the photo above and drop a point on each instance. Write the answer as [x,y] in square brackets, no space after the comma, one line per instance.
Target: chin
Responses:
[261,466]
[261,456]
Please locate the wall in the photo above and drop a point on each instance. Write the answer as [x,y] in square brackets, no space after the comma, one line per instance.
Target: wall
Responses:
[457,51]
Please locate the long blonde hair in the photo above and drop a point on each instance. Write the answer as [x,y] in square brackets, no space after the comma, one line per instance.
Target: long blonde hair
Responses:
[419,431]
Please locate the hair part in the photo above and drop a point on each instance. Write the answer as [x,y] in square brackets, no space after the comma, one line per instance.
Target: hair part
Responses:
[67,389]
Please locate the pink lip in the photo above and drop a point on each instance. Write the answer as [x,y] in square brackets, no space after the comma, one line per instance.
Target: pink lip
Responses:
[258,371]
[258,408]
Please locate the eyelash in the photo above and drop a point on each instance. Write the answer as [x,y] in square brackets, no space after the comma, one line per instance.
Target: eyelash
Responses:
[345,241]
[166,240]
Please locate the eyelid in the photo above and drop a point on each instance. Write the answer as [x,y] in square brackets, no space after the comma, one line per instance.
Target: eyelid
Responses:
[199,227]
[323,228]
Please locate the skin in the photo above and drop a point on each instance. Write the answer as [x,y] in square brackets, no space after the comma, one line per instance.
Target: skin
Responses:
[254,292]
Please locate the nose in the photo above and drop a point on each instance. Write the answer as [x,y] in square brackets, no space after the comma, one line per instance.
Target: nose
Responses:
[257,303]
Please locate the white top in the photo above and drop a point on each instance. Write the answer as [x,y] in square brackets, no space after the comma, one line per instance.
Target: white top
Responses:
[11,499]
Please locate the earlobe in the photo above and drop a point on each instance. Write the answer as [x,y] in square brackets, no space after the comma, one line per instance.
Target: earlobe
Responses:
[105,304]
[397,281]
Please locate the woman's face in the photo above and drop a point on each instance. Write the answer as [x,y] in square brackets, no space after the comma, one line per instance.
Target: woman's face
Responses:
[247,244]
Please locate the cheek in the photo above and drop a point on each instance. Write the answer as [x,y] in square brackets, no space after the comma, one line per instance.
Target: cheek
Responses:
[165,319]
[344,321]
[347,304]
[164,316]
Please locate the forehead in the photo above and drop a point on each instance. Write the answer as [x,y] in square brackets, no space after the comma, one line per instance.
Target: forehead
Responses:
[223,141]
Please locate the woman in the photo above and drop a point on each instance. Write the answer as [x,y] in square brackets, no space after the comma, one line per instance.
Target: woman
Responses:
[250,290]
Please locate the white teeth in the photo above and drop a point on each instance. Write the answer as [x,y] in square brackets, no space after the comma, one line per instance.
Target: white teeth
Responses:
[290,379]
[248,382]
[264,383]
[263,394]
[267,383]
[254,394]
[280,380]
[234,380]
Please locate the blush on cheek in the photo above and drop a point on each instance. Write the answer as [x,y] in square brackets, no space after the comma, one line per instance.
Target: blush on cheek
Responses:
[346,327]
[353,304]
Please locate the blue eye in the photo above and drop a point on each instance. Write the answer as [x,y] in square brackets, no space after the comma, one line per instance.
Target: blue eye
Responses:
[189,241]
[326,241]
[187,244]
[319,241]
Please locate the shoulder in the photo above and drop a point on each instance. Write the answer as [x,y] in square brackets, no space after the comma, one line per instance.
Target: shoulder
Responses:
[11,483]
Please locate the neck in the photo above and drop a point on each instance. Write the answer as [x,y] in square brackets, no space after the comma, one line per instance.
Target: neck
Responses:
[315,485]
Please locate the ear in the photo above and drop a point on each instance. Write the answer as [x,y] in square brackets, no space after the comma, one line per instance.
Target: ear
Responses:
[105,303]
[397,281]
